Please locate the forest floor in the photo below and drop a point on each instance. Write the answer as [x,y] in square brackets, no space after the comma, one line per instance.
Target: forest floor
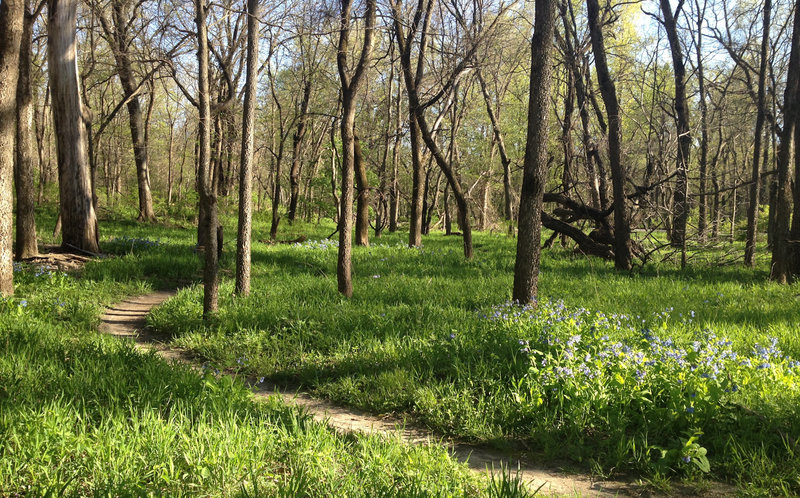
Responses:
[661,380]
[127,319]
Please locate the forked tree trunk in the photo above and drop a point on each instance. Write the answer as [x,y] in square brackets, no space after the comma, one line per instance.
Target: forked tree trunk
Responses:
[534,175]
[350,84]
[208,195]
[78,219]
[119,36]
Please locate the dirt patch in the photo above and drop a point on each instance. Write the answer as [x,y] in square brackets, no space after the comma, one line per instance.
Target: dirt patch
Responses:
[127,319]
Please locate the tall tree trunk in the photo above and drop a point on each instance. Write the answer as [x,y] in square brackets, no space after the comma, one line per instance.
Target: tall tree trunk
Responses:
[208,195]
[276,194]
[534,176]
[417,112]
[246,165]
[394,201]
[761,112]
[12,13]
[297,157]
[794,232]
[78,219]
[781,246]
[622,239]
[681,194]
[417,184]
[120,38]
[382,211]
[350,85]
[170,155]
[26,245]
[362,201]
[702,223]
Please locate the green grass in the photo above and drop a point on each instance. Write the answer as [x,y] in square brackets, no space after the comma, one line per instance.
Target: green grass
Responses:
[413,341]
[86,414]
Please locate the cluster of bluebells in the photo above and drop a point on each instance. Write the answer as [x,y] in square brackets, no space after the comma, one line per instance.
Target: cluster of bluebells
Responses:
[132,243]
[45,272]
[321,245]
[573,361]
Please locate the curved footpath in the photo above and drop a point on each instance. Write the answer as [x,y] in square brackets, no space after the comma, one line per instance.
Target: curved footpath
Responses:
[127,319]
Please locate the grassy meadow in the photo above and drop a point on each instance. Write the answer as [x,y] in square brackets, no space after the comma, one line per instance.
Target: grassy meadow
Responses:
[663,373]
[82,414]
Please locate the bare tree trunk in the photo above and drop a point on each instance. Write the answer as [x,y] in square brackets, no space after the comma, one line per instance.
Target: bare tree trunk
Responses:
[297,158]
[781,246]
[448,217]
[276,194]
[79,222]
[417,184]
[350,85]
[534,176]
[26,245]
[362,201]
[208,195]
[12,13]
[681,195]
[622,239]
[501,144]
[246,165]
[119,36]
[170,149]
[417,112]
[703,211]
[761,111]
[394,201]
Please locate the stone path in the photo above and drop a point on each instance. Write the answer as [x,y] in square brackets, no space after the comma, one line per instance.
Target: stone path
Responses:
[127,319]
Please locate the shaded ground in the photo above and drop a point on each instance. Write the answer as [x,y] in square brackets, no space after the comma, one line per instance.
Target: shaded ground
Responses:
[54,258]
[127,319]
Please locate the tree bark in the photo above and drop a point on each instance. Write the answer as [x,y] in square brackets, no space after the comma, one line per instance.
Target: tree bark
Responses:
[246,166]
[26,245]
[702,223]
[417,112]
[120,39]
[755,186]
[297,159]
[362,201]
[534,176]
[622,238]
[781,270]
[681,194]
[350,85]
[78,219]
[208,195]
[12,13]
